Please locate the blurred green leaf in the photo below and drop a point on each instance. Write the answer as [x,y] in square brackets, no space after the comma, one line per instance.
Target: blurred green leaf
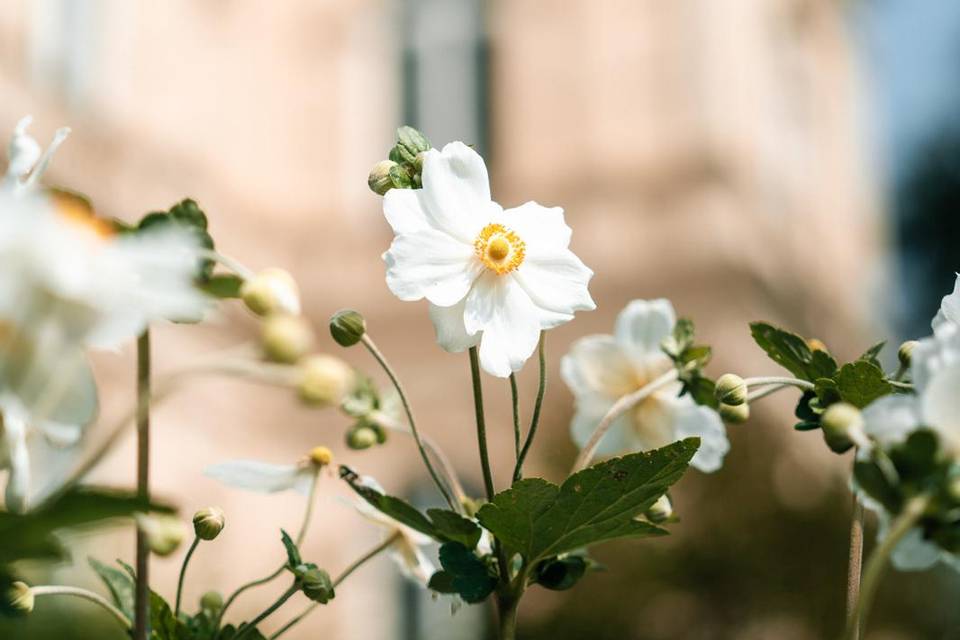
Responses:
[792,352]
[120,585]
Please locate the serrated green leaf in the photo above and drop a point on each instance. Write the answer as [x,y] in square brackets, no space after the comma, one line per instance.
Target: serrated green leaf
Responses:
[701,389]
[120,585]
[163,624]
[538,519]
[188,212]
[223,286]
[470,577]
[861,382]
[442,582]
[453,527]
[792,352]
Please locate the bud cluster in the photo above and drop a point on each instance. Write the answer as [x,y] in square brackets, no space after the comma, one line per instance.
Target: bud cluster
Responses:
[404,167]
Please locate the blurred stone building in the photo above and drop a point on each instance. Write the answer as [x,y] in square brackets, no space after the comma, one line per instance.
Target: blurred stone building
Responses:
[710,152]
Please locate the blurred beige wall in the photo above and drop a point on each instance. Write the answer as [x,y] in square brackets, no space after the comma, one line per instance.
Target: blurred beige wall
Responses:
[708,152]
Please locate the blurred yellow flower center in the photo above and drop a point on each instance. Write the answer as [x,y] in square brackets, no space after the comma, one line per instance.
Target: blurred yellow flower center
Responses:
[499,248]
[77,211]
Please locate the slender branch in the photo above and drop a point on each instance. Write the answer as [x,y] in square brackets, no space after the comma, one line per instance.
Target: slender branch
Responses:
[782,380]
[538,405]
[183,573]
[356,564]
[766,391]
[621,406]
[142,589]
[855,565]
[58,590]
[515,399]
[379,357]
[906,386]
[481,423]
[244,631]
[230,263]
[908,518]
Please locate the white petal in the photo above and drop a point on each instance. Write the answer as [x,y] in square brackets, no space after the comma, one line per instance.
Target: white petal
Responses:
[542,229]
[405,210]
[941,404]
[950,306]
[890,419]
[14,434]
[597,365]
[643,324]
[412,562]
[693,420]
[430,264]
[932,354]
[456,189]
[262,477]
[498,306]
[24,151]
[448,323]
[556,281]
[590,411]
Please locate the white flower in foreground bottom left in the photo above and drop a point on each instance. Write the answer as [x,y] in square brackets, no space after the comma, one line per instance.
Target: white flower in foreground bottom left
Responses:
[600,369]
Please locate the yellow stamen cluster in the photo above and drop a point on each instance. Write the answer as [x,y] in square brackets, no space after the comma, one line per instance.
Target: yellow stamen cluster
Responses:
[499,248]
[76,210]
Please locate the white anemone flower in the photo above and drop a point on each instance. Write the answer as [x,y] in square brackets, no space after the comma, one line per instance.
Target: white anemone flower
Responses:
[600,369]
[935,371]
[949,307]
[493,277]
[26,160]
[408,544]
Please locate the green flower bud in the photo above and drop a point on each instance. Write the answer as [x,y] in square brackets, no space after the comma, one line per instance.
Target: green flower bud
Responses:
[208,523]
[734,414]
[731,389]
[410,144]
[347,327]
[211,601]
[660,511]
[362,437]
[379,179]
[842,425]
[19,598]
[325,380]
[905,353]
[271,291]
[286,338]
[164,533]
[316,585]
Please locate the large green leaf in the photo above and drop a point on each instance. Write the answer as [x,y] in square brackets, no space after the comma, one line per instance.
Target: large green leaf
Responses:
[538,519]
[463,573]
[861,382]
[119,583]
[793,353]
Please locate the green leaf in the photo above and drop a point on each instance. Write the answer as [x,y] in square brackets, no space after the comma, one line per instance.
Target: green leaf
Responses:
[120,585]
[469,576]
[872,354]
[163,624]
[223,286]
[538,519]
[188,212]
[872,479]
[701,389]
[861,382]
[916,458]
[185,213]
[453,527]
[442,582]
[293,553]
[792,352]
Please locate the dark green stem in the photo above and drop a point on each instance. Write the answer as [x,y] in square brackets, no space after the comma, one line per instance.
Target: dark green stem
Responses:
[507,607]
[379,357]
[515,398]
[142,590]
[244,631]
[535,421]
[183,573]
[481,423]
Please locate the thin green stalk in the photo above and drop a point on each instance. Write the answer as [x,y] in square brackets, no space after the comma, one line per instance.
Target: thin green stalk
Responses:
[535,421]
[481,423]
[855,564]
[58,590]
[301,535]
[507,609]
[908,518]
[142,589]
[295,588]
[515,398]
[359,562]
[183,573]
[379,357]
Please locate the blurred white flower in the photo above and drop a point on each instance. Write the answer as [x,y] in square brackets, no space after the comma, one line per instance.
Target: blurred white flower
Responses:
[600,369]
[26,160]
[949,307]
[263,477]
[493,277]
[407,546]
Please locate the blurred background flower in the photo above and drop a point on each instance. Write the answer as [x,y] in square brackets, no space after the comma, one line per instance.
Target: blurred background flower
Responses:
[791,160]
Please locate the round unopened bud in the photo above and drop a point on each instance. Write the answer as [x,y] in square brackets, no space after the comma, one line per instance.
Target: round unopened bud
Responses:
[211,601]
[842,425]
[361,438]
[316,585]
[731,389]
[660,511]
[19,598]
[208,523]
[905,352]
[286,338]
[734,414]
[164,533]
[347,327]
[325,380]
[321,456]
[271,291]
[379,179]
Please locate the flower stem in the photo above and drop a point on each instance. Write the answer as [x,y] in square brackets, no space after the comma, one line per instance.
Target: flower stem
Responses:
[142,590]
[379,357]
[57,590]
[855,565]
[781,380]
[906,386]
[515,399]
[507,607]
[301,535]
[244,631]
[481,423]
[183,573]
[621,406]
[766,391]
[912,512]
[356,564]
[535,421]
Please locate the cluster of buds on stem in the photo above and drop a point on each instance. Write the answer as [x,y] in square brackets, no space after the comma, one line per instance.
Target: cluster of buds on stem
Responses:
[731,394]
[404,167]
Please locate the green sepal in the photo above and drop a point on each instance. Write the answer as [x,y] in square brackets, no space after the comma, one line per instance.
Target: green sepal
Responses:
[560,574]
[293,553]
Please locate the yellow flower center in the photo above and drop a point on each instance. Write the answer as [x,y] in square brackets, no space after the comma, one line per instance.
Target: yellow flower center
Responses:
[499,248]
[77,211]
